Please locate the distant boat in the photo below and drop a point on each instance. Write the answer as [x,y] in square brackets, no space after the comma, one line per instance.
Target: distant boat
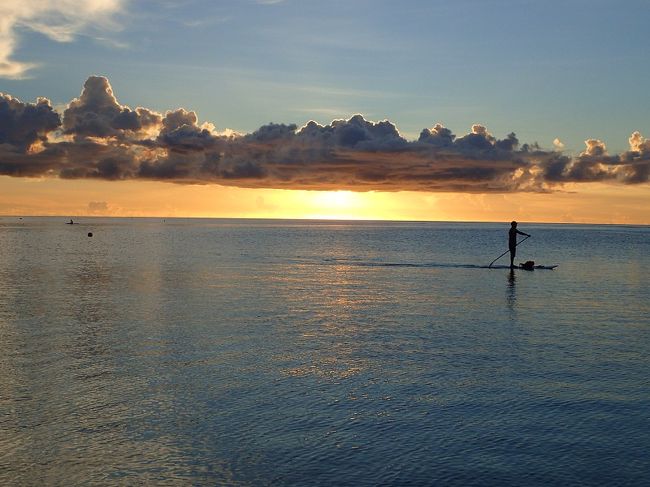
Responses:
[70,222]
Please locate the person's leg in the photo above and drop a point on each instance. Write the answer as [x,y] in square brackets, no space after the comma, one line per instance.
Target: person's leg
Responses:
[513,252]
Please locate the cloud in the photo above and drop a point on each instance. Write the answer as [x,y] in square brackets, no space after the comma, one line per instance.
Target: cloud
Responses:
[639,144]
[437,136]
[595,148]
[23,124]
[97,137]
[60,20]
[97,207]
[96,113]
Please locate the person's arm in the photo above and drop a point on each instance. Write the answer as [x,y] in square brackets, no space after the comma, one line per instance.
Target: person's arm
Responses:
[522,233]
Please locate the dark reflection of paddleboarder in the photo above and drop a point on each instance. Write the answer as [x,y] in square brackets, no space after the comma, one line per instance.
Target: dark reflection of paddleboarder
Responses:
[511,291]
[512,242]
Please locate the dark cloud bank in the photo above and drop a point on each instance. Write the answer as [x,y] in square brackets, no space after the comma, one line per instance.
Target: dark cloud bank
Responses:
[96,137]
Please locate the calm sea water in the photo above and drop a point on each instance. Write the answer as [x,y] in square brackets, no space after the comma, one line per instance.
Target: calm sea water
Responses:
[225,352]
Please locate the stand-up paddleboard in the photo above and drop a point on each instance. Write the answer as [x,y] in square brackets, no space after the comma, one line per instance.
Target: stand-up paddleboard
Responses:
[549,267]
[522,268]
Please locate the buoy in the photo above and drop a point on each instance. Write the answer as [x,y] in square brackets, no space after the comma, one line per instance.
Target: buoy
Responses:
[90,234]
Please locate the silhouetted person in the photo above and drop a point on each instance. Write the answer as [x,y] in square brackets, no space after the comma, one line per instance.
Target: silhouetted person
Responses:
[512,242]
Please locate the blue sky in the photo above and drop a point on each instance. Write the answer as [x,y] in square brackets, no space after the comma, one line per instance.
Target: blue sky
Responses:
[572,70]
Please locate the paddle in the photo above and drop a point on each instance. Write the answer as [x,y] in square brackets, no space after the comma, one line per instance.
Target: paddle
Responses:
[527,236]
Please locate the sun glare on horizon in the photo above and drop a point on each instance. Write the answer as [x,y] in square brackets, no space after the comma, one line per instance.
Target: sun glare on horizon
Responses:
[334,205]
[350,205]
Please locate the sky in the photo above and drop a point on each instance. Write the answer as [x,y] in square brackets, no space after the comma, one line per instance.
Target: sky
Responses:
[473,110]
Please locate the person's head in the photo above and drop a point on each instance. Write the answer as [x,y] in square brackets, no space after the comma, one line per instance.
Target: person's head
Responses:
[513,224]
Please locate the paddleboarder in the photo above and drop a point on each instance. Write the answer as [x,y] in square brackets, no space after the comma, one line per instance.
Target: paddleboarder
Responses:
[512,242]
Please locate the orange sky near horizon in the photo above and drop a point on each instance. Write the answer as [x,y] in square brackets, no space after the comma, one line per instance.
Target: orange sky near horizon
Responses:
[584,203]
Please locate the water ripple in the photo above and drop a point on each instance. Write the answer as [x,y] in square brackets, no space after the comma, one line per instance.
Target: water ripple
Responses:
[235,354]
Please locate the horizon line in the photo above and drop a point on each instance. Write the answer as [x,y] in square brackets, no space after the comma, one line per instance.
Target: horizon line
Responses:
[323,220]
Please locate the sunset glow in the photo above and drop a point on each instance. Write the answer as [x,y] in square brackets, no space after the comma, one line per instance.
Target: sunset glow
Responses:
[154,122]
[324,243]
[22,197]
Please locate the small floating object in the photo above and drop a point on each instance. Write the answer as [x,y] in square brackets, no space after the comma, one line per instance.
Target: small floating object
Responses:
[529,265]
[90,234]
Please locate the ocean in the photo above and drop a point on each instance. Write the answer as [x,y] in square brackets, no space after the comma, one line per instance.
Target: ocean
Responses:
[269,352]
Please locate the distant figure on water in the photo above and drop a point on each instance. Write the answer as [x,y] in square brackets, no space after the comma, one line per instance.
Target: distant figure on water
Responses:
[512,242]
[71,222]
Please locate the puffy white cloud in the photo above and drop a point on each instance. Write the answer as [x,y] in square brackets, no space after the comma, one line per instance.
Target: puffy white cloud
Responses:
[60,20]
